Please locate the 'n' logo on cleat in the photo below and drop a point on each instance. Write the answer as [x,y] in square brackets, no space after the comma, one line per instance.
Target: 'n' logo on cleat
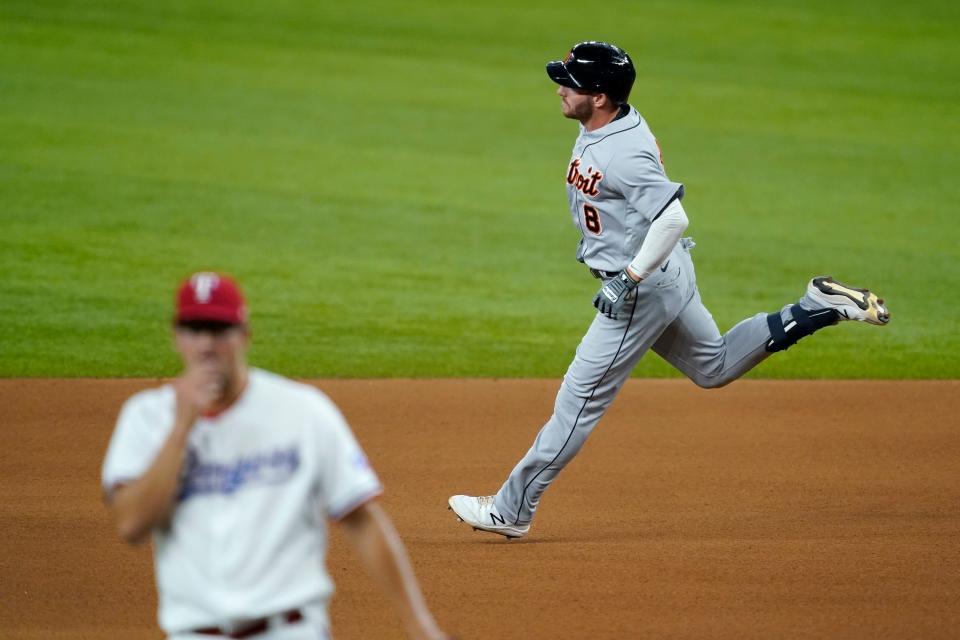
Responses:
[495,519]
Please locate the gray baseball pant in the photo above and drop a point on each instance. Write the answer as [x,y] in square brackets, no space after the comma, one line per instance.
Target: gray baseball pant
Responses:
[665,314]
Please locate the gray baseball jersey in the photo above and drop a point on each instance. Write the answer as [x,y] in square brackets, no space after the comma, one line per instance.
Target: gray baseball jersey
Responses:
[616,186]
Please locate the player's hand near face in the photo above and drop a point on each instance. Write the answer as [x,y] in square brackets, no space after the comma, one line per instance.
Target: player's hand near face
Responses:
[198,390]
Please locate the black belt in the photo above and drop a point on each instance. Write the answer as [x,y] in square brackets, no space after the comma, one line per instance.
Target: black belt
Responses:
[253,628]
[604,275]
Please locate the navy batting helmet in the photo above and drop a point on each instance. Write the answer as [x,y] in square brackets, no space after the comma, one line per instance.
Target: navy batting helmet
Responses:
[595,66]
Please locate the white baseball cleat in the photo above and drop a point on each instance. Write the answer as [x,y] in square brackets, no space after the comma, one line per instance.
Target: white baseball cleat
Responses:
[480,513]
[851,303]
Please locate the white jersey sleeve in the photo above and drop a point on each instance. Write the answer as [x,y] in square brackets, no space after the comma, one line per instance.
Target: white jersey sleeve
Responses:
[346,478]
[136,440]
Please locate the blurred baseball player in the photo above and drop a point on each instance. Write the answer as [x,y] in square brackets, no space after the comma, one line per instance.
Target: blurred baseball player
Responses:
[631,221]
[235,472]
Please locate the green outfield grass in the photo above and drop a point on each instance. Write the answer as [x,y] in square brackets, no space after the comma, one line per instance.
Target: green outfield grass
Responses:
[386,179]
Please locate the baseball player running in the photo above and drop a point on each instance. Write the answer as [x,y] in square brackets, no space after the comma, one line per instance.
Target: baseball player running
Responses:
[630,217]
[235,471]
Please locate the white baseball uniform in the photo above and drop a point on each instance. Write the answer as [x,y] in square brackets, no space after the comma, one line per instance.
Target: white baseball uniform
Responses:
[248,537]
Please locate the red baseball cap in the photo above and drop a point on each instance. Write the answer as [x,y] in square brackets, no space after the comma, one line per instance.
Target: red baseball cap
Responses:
[210,297]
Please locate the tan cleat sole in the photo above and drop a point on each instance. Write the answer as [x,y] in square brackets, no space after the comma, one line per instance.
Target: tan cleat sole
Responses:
[850,302]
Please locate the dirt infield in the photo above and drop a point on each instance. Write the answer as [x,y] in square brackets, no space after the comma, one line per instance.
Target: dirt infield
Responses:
[763,510]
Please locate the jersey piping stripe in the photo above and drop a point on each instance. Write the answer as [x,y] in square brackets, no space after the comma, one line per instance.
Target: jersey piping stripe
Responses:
[608,135]
[669,202]
[616,355]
